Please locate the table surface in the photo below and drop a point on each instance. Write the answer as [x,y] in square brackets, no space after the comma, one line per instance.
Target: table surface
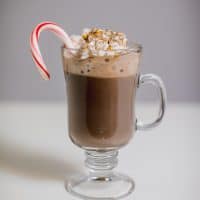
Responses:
[36,154]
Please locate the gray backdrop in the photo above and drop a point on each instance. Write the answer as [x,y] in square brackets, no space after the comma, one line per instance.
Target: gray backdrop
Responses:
[169,31]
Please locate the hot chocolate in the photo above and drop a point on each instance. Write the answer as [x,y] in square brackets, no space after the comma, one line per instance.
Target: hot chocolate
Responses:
[101,73]
[101,94]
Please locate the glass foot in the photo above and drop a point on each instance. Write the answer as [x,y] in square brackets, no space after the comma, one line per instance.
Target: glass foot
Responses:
[101,182]
[105,187]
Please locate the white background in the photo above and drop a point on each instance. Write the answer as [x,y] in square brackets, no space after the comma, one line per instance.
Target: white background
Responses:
[36,154]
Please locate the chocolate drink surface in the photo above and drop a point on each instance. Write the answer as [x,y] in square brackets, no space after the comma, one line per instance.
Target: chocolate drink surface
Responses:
[101,94]
[100,110]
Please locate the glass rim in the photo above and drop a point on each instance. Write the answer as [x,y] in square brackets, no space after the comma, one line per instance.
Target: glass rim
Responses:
[132,47]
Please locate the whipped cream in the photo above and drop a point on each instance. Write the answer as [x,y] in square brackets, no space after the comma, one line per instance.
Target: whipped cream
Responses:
[99,42]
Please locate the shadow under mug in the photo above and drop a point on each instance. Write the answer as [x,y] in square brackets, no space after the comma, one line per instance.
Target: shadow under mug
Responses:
[101,117]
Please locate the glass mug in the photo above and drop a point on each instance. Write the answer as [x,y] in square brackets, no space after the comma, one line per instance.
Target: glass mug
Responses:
[101,117]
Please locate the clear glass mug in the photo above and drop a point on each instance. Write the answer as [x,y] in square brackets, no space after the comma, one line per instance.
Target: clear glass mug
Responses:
[101,117]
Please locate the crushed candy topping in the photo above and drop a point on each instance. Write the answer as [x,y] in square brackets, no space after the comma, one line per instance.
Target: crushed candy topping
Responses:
[99,42]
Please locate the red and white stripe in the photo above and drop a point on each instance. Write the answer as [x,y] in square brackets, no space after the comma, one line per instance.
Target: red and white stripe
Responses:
[35,51]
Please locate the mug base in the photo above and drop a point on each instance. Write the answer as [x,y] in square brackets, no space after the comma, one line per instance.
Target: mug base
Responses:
[106,186]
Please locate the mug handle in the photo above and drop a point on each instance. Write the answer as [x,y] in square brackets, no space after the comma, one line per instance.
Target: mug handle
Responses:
[157,82]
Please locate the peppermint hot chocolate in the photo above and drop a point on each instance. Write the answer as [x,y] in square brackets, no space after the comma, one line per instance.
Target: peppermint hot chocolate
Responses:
[101,86]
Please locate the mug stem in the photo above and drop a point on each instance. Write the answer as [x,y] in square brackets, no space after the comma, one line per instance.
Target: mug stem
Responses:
[101,160]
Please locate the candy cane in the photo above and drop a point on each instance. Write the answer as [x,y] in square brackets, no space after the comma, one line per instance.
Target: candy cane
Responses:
[35,51]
